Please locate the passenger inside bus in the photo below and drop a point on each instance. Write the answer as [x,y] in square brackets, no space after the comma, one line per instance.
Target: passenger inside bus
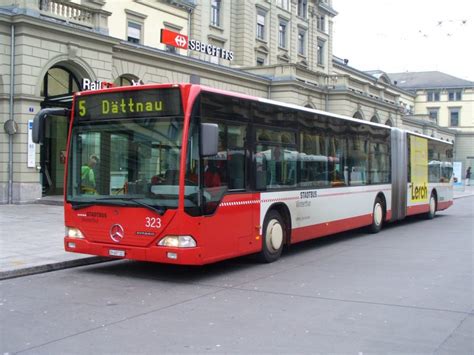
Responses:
[211,175]
[88,183]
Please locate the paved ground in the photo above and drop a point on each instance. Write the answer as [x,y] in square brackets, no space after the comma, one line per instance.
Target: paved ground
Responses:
[31,238]
[407,290]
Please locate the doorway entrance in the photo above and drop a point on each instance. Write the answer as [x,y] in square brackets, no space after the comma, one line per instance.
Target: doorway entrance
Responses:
[59,84]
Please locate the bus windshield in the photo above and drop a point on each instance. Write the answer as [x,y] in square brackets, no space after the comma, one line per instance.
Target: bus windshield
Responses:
[126,158]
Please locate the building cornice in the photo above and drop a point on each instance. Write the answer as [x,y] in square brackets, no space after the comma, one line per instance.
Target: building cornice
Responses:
[357,73]
[361,97]
[428,124]
[327,8]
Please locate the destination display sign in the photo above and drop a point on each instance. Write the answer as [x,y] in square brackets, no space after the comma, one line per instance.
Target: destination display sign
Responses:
[129,104]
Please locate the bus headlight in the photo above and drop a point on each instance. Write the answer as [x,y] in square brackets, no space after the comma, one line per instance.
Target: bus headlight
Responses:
[177,241]
[74,233]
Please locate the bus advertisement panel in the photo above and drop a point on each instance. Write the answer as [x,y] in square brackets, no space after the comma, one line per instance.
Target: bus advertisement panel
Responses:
[419,169]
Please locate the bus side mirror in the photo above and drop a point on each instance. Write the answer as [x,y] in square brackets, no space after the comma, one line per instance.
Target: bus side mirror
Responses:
[39,122]
[209,138]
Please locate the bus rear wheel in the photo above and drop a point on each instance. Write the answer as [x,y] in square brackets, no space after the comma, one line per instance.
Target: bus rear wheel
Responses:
[274,233]
[378,214]
[432,211]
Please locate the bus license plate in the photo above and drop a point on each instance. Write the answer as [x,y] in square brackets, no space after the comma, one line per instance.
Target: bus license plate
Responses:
[120,253]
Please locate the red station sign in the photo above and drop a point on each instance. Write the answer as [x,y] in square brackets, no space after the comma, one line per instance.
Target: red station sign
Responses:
[174,39]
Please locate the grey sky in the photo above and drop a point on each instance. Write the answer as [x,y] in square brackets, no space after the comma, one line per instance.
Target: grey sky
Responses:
[406,35]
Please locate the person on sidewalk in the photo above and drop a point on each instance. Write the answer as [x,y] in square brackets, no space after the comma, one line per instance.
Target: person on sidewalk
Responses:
[468,176]
[88,176]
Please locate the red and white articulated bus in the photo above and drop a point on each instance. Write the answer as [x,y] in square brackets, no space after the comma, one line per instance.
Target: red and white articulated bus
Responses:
[187,174]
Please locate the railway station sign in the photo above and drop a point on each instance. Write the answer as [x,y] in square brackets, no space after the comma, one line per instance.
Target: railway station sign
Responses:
[181,41]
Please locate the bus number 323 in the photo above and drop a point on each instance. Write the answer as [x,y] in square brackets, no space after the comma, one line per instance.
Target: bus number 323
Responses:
[151,222]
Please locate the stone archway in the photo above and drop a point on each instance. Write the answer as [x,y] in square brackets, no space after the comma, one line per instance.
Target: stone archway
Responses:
[77,67]
[59,80]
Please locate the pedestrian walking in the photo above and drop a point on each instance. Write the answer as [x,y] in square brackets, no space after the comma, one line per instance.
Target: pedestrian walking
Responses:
[468,176]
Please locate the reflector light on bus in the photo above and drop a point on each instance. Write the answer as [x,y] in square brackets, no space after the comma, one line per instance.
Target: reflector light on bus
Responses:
[178,241]
[71,245]
[173,256]
[74,233]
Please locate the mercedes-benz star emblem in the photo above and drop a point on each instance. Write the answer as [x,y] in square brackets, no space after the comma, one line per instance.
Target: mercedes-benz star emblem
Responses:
[117,233]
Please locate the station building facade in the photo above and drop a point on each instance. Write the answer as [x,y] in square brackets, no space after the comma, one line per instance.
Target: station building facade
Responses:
[281,50]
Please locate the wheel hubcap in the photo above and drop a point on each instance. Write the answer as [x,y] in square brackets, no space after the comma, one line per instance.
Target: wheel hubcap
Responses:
[378,214]
[432,205]
[274,235]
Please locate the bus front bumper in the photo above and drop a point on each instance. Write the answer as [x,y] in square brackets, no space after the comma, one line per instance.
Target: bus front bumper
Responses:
[157,254]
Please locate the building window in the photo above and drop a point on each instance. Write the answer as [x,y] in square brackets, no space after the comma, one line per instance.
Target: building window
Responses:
[320,52]
[282,34]
[171,49]
[433,95]
[302,8]
[321,23]
[260,61]
[301,42]
[59,81]
[261,25]
[455,95]
[134,32]
[433,113]
[216,13]
[284,4]
[454,117]
[127,80]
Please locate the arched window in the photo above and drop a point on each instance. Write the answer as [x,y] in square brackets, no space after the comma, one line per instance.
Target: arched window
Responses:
[358,115]
[59,81]
[126,80]
[374,119]
[389,122]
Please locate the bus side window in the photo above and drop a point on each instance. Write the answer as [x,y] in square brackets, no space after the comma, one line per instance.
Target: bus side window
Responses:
[236,171]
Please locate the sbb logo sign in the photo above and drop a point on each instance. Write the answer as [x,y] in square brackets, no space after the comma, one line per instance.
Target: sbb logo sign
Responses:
[181,41]
[174,39]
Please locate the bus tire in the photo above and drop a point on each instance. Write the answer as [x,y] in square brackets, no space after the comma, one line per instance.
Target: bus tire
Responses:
[273,237]
[378,214]
[432,211]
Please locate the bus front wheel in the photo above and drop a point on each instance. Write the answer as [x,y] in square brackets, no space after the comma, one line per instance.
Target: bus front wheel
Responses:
[274,233]
[377,216]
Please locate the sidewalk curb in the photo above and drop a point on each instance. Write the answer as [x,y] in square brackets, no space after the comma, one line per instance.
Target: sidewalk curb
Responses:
[10,274]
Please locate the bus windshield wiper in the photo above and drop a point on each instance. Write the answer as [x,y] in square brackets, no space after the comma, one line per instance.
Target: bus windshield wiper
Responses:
[157,209]
[77,205]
